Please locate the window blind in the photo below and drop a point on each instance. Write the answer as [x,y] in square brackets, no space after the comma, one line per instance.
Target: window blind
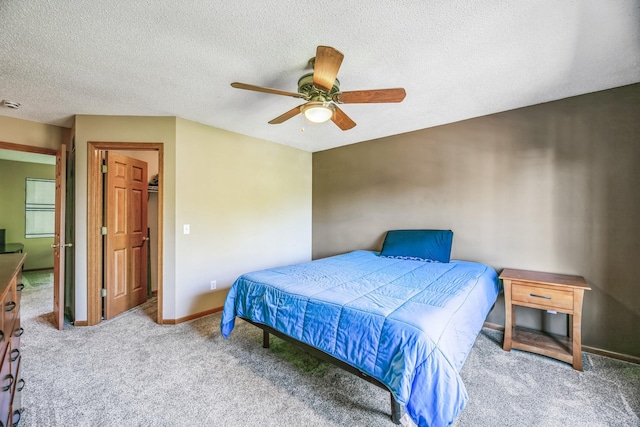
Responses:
[40,200]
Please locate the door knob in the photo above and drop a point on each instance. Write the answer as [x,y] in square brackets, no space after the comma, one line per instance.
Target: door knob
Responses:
[66,245]
[144,239]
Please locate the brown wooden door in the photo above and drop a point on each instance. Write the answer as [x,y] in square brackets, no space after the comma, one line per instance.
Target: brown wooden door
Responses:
[125,255]
[58,238]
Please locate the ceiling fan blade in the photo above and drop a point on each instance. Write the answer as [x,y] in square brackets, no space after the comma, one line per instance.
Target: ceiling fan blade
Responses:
[343,121]
[371,96]
[246,86]
[286,116]
[326,66]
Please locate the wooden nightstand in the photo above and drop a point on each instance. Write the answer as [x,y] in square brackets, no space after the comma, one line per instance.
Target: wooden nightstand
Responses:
[544,291]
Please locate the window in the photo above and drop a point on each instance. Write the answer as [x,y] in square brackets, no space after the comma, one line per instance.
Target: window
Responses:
[40,199]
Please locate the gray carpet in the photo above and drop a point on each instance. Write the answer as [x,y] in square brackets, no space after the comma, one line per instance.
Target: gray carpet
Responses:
[129,371]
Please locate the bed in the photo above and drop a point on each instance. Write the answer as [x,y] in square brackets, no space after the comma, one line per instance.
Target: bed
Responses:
[402,319]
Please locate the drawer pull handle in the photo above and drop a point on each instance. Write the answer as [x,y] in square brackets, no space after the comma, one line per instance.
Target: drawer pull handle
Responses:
[8,387]
[15,352]
[540,296]
[18,333]
[10,306]
[14,422]
[20,287]
[20,385]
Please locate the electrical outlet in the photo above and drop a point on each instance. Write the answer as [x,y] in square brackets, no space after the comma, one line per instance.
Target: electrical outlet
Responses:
[213,285]
[186,229]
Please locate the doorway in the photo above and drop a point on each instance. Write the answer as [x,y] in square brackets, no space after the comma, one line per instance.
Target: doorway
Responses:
[95,250]
[63,302]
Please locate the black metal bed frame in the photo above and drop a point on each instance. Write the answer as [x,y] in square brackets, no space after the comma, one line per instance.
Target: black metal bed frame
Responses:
[397,409]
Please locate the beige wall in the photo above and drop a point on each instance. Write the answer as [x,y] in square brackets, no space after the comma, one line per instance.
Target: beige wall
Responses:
[125,129]
[13,176]
[33,134]
[552,187]
[248,204]
[25,132]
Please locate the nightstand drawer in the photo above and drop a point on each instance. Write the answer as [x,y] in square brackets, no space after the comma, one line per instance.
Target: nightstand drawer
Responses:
[532,294]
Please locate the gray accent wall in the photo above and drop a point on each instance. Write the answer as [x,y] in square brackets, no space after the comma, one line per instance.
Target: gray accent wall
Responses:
[551,187]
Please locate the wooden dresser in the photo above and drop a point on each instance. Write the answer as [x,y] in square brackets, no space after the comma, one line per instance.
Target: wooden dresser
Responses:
[11,383]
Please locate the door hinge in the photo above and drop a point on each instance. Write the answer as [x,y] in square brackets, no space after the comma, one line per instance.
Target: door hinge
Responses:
[103,293]
[103,231]
[104,169]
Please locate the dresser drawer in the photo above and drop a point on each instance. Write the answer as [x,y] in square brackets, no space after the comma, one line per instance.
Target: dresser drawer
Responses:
[6,385]
[530,293]
[10,332]
[5,325]
[16,333]
[16,402]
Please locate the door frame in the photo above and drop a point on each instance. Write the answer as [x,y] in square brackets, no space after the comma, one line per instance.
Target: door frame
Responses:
[94,221]
[27,148]
[59,240]
[37,150]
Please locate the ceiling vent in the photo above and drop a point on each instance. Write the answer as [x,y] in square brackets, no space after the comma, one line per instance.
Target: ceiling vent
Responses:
[10,104]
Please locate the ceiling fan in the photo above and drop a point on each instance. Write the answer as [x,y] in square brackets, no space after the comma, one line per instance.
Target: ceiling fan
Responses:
[321,90]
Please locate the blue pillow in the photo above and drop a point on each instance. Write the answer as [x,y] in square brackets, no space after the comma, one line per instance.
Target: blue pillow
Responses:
[421,245]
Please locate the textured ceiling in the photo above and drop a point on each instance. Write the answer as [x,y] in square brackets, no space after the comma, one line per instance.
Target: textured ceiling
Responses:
[456,59]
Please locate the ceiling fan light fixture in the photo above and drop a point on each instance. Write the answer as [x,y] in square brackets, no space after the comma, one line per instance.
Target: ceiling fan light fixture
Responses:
[318,111]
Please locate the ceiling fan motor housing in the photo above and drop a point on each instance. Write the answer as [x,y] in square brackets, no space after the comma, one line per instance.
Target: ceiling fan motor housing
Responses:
[306,87]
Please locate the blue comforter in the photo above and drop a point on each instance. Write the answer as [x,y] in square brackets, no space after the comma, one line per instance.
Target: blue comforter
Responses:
[409,324]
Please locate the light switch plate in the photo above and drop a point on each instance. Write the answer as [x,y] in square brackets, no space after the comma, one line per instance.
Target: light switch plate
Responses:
[186,229]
